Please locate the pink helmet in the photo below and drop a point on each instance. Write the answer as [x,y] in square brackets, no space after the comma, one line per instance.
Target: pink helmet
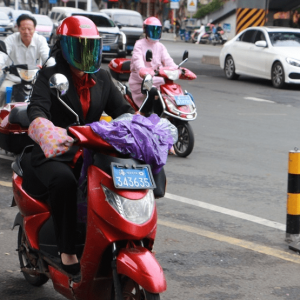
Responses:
[152,28]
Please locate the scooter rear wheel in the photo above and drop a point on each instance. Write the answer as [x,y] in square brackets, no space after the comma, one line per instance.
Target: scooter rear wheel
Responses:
[185,143]
[27,260]
[132,291]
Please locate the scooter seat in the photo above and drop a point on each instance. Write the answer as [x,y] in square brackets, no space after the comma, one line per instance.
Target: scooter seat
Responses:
[18,115]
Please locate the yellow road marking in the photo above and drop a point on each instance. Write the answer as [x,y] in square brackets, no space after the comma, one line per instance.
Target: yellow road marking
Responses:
[5,183]
[233,241]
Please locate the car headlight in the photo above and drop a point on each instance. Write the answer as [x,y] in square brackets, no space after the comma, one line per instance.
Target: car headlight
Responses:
[122,38]
[172,74]
[293,62]
[135,211]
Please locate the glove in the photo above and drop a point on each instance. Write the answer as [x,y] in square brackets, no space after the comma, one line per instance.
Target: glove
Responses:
[53,140]
[144,71]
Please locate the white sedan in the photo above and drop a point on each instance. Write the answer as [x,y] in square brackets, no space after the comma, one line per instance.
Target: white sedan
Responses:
[264,52]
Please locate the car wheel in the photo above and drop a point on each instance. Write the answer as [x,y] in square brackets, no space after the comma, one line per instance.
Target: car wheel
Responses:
[277,75]
[229,68]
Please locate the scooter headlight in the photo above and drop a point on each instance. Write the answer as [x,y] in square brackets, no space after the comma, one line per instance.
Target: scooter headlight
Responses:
[172,74]
[171,106]
[27,75]
[135,211]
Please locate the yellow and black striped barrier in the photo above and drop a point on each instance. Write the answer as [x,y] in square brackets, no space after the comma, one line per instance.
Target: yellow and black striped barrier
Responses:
[247,17]
[293,200]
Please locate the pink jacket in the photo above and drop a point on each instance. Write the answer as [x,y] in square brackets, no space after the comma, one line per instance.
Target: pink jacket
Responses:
[161,57]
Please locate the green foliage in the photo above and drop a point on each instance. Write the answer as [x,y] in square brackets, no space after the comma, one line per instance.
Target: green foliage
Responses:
[208,8]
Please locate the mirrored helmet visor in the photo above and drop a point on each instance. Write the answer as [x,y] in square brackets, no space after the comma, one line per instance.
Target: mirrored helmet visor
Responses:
[84,54]
[153,31]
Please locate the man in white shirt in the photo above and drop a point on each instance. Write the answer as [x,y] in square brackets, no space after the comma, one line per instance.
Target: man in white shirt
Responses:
[167,25]
[201,33]
[24,47]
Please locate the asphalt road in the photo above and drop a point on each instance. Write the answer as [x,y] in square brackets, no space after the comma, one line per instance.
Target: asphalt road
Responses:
[221,225]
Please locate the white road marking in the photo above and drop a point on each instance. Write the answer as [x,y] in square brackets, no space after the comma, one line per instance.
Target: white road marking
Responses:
[258,99]
[227,211]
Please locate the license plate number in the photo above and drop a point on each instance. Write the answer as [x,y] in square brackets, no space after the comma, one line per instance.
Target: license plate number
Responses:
[2,29]
[129,47]
[132,177]
[106,48]
[183,100]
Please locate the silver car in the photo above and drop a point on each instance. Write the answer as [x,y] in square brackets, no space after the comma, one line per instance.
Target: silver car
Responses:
[6,25]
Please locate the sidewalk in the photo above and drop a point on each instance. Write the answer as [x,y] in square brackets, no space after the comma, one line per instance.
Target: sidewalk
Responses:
[205,59]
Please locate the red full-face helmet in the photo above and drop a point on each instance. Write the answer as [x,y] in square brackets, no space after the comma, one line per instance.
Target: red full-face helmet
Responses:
[152,28]
[80,43]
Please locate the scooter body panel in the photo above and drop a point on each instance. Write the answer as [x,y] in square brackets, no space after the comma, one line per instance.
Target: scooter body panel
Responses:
[141,265]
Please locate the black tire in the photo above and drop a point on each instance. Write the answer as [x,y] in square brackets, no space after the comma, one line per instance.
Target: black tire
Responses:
[132,291]
[35,280]
[185,143]
[229,68]
[277,75]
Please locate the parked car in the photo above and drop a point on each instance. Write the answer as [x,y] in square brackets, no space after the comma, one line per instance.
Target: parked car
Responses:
[130,22]
[14,15]
[6,25]
[6,9]
[114,41]
[265,52]
[44,26]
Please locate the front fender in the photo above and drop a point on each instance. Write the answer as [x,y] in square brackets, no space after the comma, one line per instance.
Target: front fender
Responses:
[140,265]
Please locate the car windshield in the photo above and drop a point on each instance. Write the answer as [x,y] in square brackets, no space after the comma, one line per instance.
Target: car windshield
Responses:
[100,21]
[285,39]
[3,16]
[128,20]
[43,20]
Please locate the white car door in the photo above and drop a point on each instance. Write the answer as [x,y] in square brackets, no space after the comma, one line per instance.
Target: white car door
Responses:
[258,57]
[241,51]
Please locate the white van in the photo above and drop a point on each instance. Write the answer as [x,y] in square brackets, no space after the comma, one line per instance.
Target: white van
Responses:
[57,12]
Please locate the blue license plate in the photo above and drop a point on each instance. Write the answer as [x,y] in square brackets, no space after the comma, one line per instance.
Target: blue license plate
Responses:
[132,177]
[183,100]
[106,48]
[2,29]
[129,47]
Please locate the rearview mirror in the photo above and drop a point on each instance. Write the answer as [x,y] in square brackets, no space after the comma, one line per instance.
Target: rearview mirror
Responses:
[3,47]
[59,82]
[262,44]
[147,83]
[185,55]
[149,55]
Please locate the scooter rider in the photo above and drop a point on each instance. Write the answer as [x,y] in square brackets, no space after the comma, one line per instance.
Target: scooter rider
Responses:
[91,91]
[24,47]
[139,65]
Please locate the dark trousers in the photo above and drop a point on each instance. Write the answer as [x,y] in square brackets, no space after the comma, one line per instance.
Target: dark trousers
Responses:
[61,181]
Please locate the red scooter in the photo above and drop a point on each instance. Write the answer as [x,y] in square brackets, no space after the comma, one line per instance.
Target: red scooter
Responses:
[177,105]
[115,244]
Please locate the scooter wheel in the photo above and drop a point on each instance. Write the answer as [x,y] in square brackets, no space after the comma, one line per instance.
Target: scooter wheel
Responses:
[185,143]
[131,290]
[29,261]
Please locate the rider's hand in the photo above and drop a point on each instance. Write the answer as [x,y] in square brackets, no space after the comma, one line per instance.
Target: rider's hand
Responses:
[39,66]
[144,71]
[53,140]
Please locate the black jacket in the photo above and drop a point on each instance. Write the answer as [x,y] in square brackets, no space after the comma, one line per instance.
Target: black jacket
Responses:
[104,97]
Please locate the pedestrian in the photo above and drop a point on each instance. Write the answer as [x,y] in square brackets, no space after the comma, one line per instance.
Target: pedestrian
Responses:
[167,25]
